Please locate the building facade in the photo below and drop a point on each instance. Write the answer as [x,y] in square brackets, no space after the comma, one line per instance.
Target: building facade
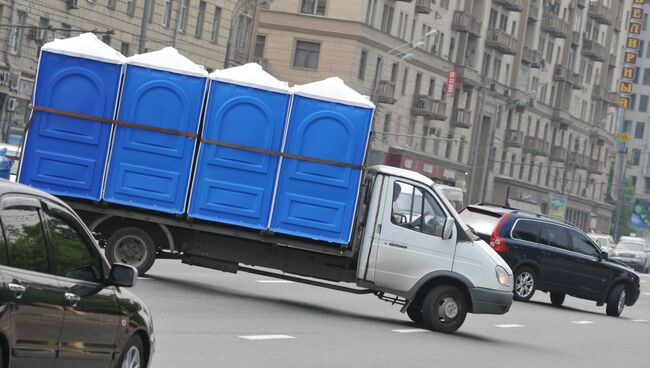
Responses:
[199,29]
[512,100]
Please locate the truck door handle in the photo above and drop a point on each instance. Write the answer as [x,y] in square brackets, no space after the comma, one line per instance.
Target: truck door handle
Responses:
[17,289]
[72,298]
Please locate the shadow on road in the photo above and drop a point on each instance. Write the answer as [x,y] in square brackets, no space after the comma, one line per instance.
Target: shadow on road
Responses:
[564,308]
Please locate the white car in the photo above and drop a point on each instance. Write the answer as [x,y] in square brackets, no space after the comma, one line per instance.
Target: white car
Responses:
[604,241]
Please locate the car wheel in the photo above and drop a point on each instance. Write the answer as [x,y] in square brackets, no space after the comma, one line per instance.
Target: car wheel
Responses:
[132,355]
[444,309]
[132,246]
[616,300]
[524,284]
[557,298]
[646,269]
[415,314]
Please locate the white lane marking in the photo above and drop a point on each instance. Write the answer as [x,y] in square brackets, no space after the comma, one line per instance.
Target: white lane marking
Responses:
[582,322]
[646,294]
[639,320]
[410,330]
[266,337]
[644,281]
[143,278]
[275,281]
[514,325]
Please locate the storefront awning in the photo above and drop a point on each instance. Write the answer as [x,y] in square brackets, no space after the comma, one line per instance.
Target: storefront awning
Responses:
[524,206]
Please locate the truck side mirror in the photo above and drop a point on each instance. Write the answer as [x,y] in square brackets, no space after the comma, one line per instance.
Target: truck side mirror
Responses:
[448,229]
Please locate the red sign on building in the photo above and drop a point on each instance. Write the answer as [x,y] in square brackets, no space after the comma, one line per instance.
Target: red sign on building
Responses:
[451,83]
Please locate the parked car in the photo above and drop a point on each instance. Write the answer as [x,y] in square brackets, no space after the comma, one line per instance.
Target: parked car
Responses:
[553,256]
[633,254]
[63,305]
[604,241]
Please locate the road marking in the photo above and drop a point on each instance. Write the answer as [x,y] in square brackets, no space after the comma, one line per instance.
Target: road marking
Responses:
[266,337]
[646,294]
[143,278]
[639,320]
[644,281]
[410,330]
[275,281]
[509,326]
[582,322]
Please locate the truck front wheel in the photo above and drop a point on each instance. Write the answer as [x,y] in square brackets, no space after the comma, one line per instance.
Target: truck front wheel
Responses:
[444,309]
[132,246]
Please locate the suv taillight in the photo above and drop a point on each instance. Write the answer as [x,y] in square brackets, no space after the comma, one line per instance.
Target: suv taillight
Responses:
[496,242]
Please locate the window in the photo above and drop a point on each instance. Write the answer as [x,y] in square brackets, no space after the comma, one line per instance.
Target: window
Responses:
[16,37]
[124,49]
[627,126]
[200,19]
[526,230]
[647,186]
[183,16]
[314,7]
[643,103]
[306,55]
[641,44]
[243,36]
[216,23]
[386,128]
[405,80]
[72,254]
[640,126]
[582,245]
[130,7]
[554,236]
[646,76]
[106,39]
[387,18]
[416,209]
[111,4]
[25,238]
[361,74]
[66,30]
[260,43]
[636,157]
[152,10]
[432,87]
[167,14]
[645,22]
[370,12]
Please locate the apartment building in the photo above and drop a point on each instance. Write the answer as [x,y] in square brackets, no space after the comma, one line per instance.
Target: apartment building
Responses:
[532,114]
[199,29]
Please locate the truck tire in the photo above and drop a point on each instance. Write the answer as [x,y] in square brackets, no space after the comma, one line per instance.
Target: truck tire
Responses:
[132,246]
[525,284]
[415,314]
[616,300]
[444,309]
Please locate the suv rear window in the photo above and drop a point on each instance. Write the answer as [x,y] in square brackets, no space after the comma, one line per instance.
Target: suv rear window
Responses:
[526,230]
[482,222]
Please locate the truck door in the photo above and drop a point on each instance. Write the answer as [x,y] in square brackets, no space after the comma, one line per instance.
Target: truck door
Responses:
[410,242]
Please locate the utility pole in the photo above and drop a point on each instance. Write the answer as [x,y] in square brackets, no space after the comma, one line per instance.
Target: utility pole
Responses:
[144,27]
[619,174]
[476,133]
[488,168]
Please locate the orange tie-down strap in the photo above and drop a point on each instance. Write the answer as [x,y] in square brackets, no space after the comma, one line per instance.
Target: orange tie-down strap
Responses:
[188,135]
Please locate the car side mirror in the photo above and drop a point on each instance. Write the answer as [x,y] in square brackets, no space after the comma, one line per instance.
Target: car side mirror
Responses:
[603,256]
[123,275]
[448,229]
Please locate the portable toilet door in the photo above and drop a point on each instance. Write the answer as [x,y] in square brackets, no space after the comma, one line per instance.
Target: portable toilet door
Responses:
[151,169]
[247,107]
[328,121]
[66,155]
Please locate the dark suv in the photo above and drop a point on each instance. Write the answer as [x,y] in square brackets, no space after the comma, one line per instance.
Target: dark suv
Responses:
[553,256]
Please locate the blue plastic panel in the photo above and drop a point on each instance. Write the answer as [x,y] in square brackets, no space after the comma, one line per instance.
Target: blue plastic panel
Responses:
[63,155]
[316,200]
[230,185]
[150,169]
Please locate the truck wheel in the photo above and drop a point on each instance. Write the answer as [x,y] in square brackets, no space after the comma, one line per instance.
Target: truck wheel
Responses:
[132,246]
[415,314]
[557,298]
[616,300]
[444,309]
[524,284]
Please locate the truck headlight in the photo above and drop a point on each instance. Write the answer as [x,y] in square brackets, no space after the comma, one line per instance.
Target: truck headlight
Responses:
[503,276]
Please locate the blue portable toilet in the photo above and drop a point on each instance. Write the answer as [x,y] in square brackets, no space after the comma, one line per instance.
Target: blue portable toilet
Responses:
[150,169]
[65,155]
[248,107]
[328,121]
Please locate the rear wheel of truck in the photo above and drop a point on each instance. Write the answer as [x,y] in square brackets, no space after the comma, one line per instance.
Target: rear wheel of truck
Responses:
[132,246]
[444,309]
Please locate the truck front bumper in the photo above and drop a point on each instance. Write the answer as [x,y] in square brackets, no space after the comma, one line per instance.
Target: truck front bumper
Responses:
[489,301]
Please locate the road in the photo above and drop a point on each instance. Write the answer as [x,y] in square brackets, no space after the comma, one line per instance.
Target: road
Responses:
[206,318]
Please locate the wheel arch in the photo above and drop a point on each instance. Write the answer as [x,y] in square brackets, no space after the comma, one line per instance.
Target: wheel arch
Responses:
[162,237]
[419,290]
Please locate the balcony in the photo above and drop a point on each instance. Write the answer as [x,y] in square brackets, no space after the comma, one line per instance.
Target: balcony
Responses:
[514,138]
[464,22]
[531,57]
[575,39]
[558,154]
[613,98]
[579,160]
[599,12]
[467,75]
[594,50]
[595,167]
[462,119]
[423,6]
[576,80]
[428,107]
[512,5]
[501,41]
[612,60]
[562,74]
[561,119]
[386,92]
[533,12]
[552,24]
[536,146]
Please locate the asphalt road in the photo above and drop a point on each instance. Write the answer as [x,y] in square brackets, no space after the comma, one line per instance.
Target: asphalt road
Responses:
[206,318]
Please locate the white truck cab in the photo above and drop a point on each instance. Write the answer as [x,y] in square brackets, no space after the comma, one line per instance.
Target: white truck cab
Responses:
[415,246]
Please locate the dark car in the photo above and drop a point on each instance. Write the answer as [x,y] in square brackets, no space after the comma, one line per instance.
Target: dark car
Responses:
[632,254]
[61,303]
[553,256]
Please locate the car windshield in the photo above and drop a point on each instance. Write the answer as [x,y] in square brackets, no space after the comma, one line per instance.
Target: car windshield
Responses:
[631,246]
[481,222]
